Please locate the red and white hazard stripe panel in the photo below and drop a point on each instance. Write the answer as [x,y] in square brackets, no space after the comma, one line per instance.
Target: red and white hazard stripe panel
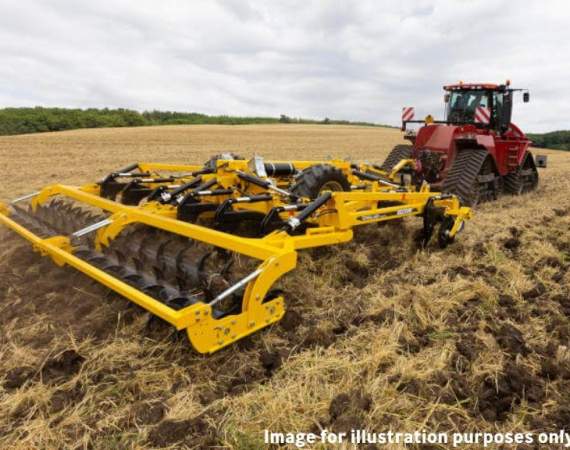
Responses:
[482,115]
[407,113]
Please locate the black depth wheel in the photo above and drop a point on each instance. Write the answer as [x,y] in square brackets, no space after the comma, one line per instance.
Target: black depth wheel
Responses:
[443,237]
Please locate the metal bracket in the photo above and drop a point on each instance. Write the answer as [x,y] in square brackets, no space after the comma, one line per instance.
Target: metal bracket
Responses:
[24,197]
[91,228]
[236,286]
[257,165]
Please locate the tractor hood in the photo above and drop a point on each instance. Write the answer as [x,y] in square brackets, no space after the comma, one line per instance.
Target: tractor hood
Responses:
[440,137]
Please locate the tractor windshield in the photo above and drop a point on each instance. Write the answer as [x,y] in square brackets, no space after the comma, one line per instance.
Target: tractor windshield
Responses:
[462,105]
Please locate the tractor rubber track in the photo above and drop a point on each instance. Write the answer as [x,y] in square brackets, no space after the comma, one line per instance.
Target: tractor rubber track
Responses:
[522,180]
[398,153]
[170,268]
[462,176]
[513,183]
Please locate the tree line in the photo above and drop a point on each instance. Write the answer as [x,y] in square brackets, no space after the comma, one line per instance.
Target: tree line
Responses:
[558,140]
[39,119]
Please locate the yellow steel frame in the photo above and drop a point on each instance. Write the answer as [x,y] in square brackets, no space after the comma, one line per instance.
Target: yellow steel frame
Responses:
[205,333]
[276,252]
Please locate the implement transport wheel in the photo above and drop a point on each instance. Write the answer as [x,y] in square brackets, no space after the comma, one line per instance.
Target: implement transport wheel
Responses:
[398,153]
[523,179]
[316,179]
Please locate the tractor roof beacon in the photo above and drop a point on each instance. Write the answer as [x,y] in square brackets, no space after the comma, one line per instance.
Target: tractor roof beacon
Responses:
[476,152]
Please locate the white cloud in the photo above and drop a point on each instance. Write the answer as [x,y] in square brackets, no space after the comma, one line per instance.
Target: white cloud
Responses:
[351,60]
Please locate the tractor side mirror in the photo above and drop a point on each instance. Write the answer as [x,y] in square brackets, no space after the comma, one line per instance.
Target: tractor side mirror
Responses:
[526,97]
[446,98]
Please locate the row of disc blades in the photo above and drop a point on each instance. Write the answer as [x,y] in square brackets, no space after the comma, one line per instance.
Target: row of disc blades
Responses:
[175,270]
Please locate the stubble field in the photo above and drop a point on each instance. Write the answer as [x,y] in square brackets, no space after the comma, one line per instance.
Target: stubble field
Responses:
[378,335]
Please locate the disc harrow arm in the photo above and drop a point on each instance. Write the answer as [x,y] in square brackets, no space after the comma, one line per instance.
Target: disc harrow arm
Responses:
[265,184]
[226,206]
[373,177]
[296,221]
[164,196]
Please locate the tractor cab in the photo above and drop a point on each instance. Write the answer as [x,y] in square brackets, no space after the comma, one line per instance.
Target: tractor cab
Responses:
[484,105]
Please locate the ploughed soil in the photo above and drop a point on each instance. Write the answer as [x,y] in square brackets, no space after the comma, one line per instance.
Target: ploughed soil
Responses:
[378,335]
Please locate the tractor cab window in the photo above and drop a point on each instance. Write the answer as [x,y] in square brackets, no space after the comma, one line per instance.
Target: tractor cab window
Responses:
[462,105]
[502,110]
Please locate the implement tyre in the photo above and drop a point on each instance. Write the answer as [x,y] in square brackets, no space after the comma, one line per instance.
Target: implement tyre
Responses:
[314,180]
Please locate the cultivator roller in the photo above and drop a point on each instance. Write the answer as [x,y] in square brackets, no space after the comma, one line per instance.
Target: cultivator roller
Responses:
[202,247]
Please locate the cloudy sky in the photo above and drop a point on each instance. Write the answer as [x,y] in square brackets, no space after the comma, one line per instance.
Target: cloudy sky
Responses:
[359,60]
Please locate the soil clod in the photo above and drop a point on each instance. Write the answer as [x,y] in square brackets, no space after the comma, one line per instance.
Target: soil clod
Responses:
[194,431]
[535,292]
[65,365]
[18,376]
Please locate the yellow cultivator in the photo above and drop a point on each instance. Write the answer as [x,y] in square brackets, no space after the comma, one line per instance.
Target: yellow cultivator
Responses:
[201,247]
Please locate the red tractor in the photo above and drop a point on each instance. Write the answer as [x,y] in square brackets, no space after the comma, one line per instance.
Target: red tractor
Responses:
[476,153]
